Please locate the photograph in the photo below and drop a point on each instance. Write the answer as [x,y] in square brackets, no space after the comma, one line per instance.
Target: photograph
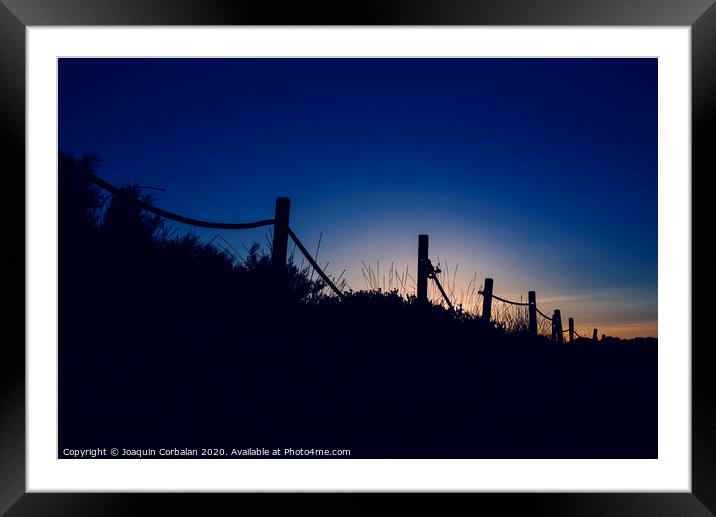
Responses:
[357,258]
[278,259]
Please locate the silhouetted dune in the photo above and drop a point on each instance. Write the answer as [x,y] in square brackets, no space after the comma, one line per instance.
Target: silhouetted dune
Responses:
[165,342]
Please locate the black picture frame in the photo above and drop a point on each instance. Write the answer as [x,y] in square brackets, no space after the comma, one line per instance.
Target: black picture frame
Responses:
[16,15]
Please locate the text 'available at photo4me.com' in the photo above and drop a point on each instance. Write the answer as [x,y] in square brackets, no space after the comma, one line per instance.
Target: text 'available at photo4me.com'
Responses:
[174,452]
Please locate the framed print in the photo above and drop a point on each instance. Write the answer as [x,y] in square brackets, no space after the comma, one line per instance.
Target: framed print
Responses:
[402,251]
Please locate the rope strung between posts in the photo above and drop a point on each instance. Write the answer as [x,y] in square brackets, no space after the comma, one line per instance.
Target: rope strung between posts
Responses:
[176,217]
[505,301]
[543,314]
[523,304]
[508,301]
[315,266]
[209,224]
[433,273]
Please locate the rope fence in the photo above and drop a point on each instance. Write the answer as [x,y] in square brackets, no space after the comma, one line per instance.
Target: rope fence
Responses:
[509,301]
[224,226]
[544,315]
[514,316]
[510,315]
[176,217]
[315,266]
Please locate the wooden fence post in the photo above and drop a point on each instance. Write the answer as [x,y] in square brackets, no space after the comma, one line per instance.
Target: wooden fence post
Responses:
[422,286]
[604,336]
[557,327]
[532,300]
[280,235]
[487,300]
[571,329]
[594,335]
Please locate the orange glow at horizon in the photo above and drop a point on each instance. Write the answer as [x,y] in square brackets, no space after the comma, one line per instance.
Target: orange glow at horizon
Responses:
[610,311]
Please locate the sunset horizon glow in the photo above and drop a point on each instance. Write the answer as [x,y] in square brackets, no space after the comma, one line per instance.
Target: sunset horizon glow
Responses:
[538,173]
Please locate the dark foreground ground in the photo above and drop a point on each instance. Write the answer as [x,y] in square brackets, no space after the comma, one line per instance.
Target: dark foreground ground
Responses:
[210,388]
[166,342]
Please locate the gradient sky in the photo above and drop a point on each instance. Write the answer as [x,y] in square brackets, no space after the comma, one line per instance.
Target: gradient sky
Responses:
[541,173]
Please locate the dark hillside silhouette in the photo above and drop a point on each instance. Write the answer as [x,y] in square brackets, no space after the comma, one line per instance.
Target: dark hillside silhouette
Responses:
[166,341]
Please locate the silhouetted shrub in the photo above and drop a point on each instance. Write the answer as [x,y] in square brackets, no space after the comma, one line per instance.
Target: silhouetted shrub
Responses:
[164,339]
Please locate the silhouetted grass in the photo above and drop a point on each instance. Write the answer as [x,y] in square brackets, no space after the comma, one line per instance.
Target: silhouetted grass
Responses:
[165,340]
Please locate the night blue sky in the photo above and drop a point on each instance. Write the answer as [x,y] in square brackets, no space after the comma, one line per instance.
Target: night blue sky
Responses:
[541,173]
